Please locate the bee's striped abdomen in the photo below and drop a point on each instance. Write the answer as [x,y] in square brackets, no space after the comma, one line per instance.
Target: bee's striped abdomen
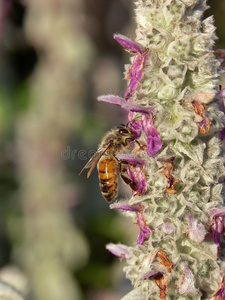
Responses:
[108,182]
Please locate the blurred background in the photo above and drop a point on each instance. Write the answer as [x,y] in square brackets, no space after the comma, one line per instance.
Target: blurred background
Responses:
[56,57]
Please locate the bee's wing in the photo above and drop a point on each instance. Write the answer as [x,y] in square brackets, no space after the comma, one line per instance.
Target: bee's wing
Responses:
[94,160]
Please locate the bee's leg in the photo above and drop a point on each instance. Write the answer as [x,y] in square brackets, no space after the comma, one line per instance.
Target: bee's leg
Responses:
[162,170]
[142,146]
[129,182]
[126,179]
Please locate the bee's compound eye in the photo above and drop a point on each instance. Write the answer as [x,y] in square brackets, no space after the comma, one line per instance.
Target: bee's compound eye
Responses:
[123,131]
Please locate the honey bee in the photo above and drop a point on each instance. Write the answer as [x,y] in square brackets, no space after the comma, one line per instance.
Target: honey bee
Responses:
[116,141]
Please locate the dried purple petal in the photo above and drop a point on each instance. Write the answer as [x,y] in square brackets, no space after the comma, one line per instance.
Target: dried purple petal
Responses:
[204,125]
[221,54]
[216,229]
[145,231]
[203,97]
[165,261]
[128,44]
[160,280]
[217,225]
[154,143]
[137,175]
[196,229]
[120,250]
[220,292]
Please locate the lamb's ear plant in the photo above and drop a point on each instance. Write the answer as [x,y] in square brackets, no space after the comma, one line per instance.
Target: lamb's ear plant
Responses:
[174,105]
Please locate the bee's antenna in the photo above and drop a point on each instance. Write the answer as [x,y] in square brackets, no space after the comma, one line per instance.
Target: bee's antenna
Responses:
[131,121]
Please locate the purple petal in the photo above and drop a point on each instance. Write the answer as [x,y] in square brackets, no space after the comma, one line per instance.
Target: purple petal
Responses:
[154,143]
[127,105]
[187,286]
[135,75]
[119,250]
[137,175]
[168,228]
[151,274]
[128,44]
[135,125]
[221,94]
[137,207]
[130,106]
[112,99]
[145,231]
[217,212]
[216,229]
[135,71]
[196,229]
[220,293]
[129,158]
[221,53]
[217,225]
[222,134]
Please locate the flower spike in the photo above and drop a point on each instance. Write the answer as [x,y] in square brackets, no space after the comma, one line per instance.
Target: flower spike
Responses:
[176,114]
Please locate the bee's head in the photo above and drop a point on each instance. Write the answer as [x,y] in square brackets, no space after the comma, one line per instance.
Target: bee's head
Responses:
[126,133]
